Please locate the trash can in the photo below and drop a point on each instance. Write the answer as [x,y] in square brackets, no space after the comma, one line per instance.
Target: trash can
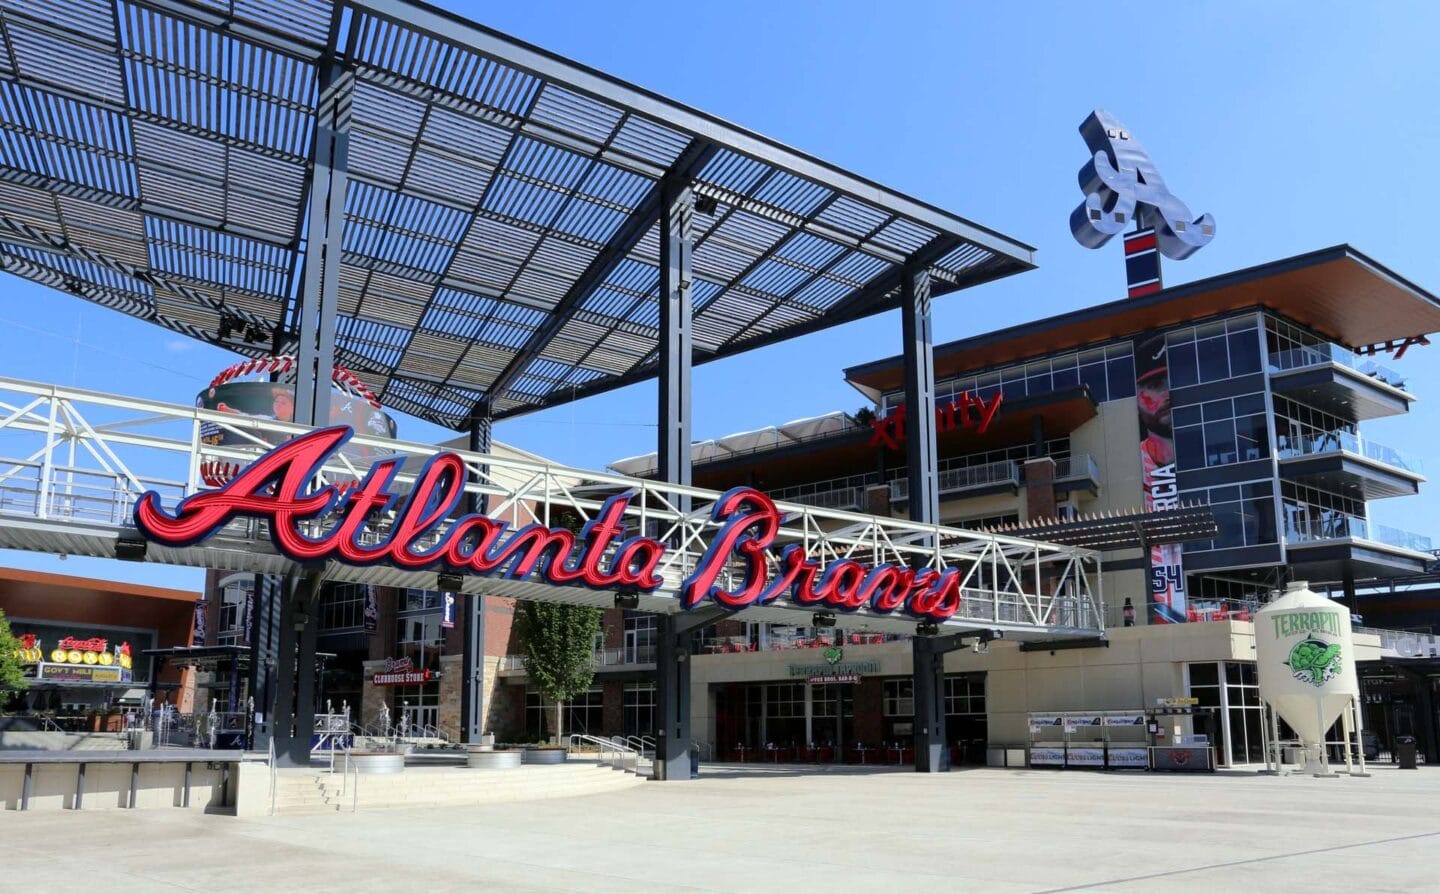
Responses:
[694,763]
[1405,752]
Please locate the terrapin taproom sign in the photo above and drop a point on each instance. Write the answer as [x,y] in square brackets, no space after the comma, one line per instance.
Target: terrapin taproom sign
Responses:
[278,488]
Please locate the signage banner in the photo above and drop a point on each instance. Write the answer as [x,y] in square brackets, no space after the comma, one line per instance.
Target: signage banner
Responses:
[1128,758]
[198,637]
[1042,722]
[741,565]
[81,673]
[1167,598]
[403,678]
[1074,722]
[447,610]
[249,614]
[1085,757]
[1047,757]
[372,610]
[1191,760]
[1123,720]
[822,679]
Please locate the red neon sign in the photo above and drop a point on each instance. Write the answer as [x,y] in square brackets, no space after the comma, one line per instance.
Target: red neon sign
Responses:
[965,411]
[275,488]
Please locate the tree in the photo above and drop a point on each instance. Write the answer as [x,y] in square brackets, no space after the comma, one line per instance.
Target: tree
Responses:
[559,643]
[12,675]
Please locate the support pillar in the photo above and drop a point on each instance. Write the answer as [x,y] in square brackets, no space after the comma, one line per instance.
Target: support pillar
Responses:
[672,665]
[320,284]
[672,701]
[922,465]
[264,624]
[294,712]
[922,462]
[472,660]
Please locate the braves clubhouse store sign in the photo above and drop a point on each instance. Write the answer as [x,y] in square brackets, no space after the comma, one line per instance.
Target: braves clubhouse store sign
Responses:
[277,488]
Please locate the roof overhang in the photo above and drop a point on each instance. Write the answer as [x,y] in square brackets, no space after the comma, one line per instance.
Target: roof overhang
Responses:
[500,239]
[1338,292]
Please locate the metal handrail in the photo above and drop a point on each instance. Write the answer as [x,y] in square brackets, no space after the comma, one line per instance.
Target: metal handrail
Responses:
[274,775]
[605,746]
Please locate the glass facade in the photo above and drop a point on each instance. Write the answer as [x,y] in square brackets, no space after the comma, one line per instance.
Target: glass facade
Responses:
[1212,352]
[1109,373]
[1220,432]
[342,608]
[1244,514]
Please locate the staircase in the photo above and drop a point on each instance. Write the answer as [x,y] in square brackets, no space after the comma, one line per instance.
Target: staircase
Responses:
[312,793]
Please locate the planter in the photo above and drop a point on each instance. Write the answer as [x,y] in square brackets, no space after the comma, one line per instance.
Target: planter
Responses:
[372,763]
[488,758]
[545,755]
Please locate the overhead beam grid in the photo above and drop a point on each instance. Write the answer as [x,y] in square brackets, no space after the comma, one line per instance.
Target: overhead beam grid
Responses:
[499,240]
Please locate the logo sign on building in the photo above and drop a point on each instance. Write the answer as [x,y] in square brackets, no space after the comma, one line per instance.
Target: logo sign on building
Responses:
[401,672]
[847,669]
[447,610]
[964,412]
[1123,720]
[277,489]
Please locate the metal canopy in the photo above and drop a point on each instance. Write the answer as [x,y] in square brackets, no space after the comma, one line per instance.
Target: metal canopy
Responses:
[501,204]
[1122,530]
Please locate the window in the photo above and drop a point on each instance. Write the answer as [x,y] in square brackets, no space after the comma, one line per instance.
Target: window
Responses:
[342,607]
[1244,513]
[639,640]
[1220,432]
[234,597]
[1109,373]
[784,713]
[639,709]
[964,695]
[1213,351]
[899,698]
[1246,722]
[420,601]
[1314,514]
[422,630]
[583,714]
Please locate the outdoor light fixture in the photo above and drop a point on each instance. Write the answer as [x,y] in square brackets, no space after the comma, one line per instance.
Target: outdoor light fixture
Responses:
[256,334]
[628,599]
[705,204]
[130,548]
[822,619]
[927,628]
[449,581]
[223,329]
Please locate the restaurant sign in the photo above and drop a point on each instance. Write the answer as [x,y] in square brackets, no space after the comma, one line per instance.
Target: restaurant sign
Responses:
[277,489]
[826,679]
[849,668]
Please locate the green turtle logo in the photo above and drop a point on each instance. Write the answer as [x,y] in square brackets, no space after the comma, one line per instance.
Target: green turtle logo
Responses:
[1313,661]
[834,654]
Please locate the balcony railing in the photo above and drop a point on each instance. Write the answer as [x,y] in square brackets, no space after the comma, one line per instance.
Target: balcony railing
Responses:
[965,478]
[1305,440]
[1309,524]
[1201,610]
[1319,355]
[839,498]
[1077,467]
[600,658]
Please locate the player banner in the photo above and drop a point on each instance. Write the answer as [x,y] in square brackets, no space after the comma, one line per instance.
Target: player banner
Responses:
[1167,601]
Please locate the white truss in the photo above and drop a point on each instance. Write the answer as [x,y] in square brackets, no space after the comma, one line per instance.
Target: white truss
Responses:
[73,462]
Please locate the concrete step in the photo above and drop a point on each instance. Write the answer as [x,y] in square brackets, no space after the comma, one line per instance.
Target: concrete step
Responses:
[448,787]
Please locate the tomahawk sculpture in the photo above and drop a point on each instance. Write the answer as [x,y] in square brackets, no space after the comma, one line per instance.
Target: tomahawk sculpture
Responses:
[1120,182]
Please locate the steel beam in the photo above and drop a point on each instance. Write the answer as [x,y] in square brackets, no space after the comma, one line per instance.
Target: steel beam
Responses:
[672,660]
[672,701]
[920,451]
[650,208]
[472,661]
[320,283]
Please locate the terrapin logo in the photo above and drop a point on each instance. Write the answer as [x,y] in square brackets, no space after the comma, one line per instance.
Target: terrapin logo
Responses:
[834,654]
[1314,662]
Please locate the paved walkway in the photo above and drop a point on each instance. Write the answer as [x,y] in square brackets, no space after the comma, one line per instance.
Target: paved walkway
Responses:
[771,829]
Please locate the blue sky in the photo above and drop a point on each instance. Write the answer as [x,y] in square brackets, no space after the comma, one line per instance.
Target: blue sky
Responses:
[1298,125]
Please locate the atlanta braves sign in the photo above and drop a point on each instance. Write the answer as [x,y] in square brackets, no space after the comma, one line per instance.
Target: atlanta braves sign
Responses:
[423,532]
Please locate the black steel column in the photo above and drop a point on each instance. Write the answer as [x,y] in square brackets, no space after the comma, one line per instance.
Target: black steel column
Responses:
[264,647]
[472,661]
[282,711]
[304,624]
[920,451]
[672,666]
[922,464]
[320,285]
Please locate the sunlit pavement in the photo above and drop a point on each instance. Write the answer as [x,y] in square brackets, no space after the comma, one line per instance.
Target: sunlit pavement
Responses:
[757,828]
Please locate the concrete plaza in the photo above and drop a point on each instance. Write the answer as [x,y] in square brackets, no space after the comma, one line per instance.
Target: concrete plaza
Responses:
[775,830]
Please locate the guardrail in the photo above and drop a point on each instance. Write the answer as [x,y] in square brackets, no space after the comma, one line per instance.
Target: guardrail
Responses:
[1306,440]
[611,752]
[1319,355]
[1312,524]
